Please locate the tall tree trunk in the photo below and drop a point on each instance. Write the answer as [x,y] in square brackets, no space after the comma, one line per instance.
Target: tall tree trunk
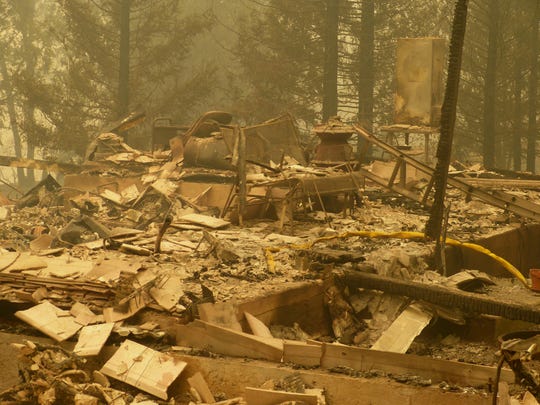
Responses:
[12,113]
[330,93]
[27,14]
[123,80]
[490,86]
[366,80]
[517,128]
[533,93]
[448,120]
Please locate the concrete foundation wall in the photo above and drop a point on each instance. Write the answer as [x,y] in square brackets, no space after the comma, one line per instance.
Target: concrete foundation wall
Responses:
[519,246]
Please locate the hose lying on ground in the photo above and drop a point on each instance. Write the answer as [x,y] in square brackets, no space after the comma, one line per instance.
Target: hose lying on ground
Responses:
[394,235]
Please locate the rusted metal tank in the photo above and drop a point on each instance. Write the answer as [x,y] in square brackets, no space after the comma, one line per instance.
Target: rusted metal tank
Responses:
[212,152]
[333,147]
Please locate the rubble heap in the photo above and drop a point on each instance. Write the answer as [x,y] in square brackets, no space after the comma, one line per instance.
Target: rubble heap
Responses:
[211,244]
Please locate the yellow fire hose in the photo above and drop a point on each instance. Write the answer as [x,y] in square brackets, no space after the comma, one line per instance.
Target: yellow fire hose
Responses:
[393,235]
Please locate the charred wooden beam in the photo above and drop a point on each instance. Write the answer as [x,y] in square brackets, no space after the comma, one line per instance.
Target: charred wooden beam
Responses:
[446,297]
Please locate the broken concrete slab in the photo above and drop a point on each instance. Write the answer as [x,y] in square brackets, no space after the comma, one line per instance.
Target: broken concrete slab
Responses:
[144,368]
[92,338]
[407,326]
[84,315]
[51,320]
[109,269]
[26,261]
[127,308]
[7,259]
[167,291]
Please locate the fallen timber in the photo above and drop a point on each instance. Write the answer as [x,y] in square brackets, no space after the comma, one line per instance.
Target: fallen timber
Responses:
[511,203]
[67,291]
[446,297]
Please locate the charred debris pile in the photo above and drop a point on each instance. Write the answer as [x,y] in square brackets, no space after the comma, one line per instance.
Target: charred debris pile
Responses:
[224,241]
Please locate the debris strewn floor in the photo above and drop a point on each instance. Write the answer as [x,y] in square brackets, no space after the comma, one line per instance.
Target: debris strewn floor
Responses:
[145,259]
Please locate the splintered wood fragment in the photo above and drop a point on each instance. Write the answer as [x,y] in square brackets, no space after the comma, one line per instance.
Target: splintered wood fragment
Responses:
[92,339]
[204,220]
[65,266]
[258,328]
[126,309]
[257,396]
[106,270]
[112,196]
[221,340]
[110,269]
[136,250]
[40,294]
[303,354]
[130,193]
[144,278]
[186,227]
[121,232]
[144,368]
[26,262]
[83,315]
[407,326]
[167,292]
[198,383]
[165,186]
[92,245]
[51,252]
[42,242]
[7,259]
[220,313]
[51,320]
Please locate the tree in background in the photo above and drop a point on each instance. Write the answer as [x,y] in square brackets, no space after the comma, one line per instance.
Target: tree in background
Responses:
[331,61]
[281,50]
[64,62]
[124,55]
[496,65]
[24,40]
[490,83]
[532,129]
[84,85]
[366,73]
